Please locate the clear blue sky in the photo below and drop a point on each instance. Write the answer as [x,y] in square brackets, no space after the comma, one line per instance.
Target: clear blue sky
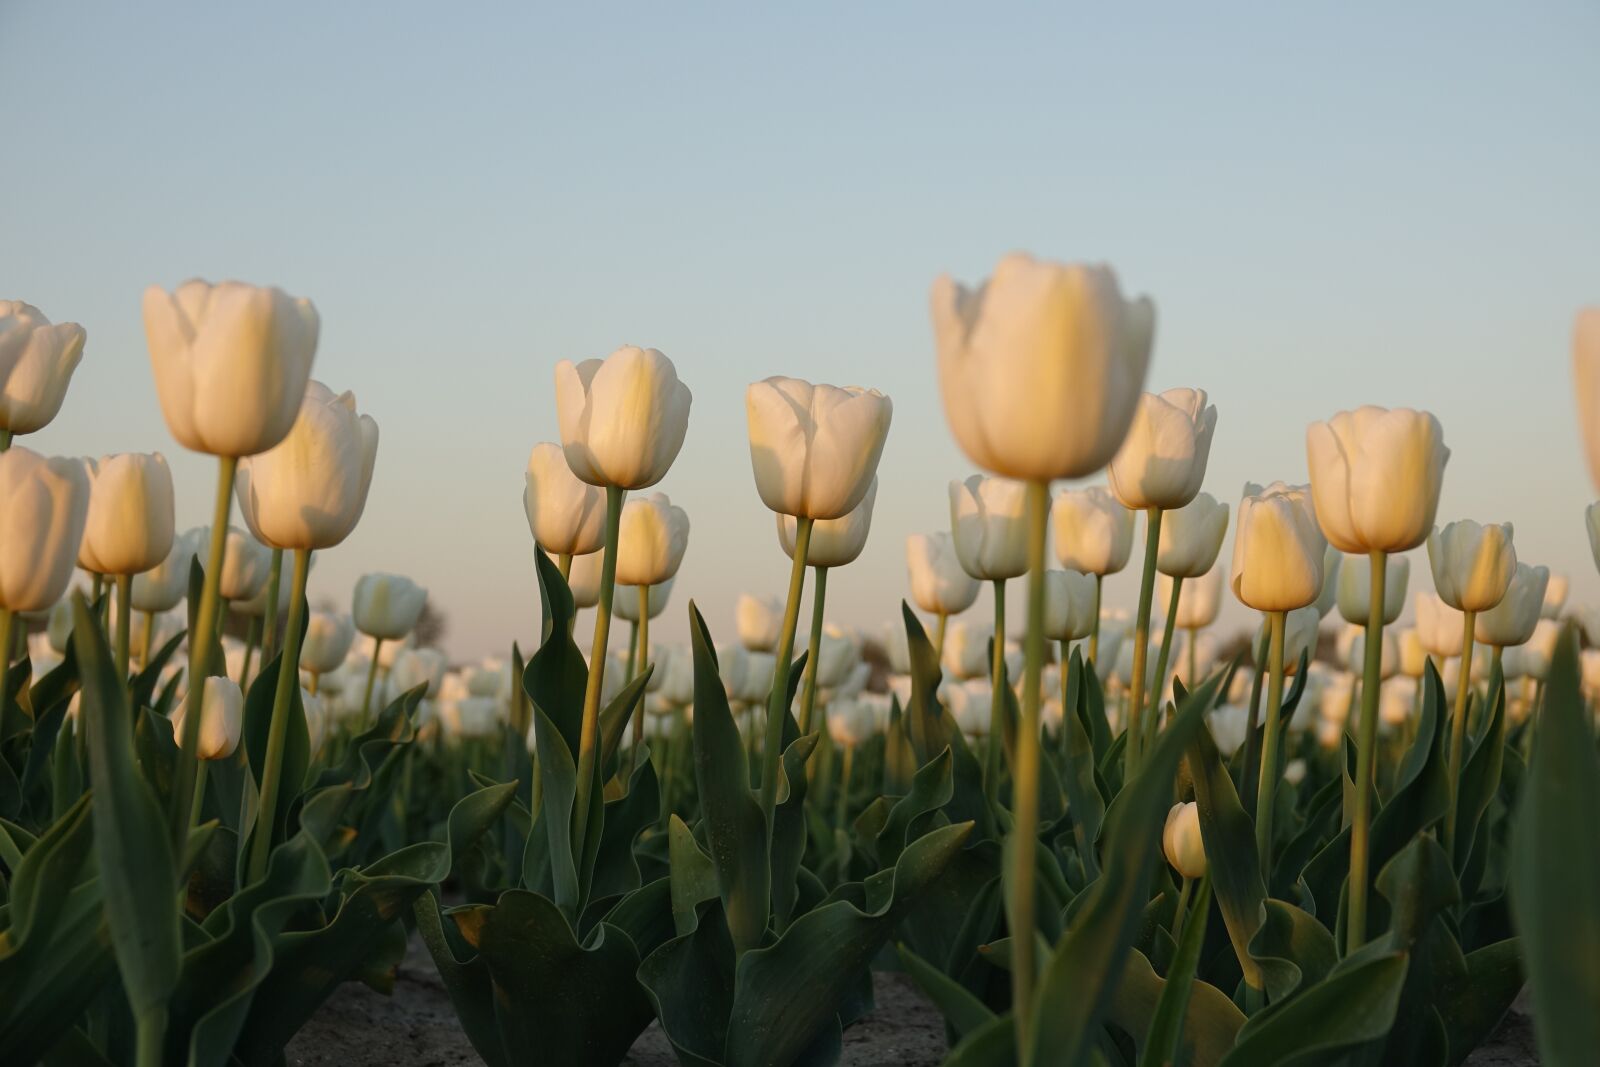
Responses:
[1358,202]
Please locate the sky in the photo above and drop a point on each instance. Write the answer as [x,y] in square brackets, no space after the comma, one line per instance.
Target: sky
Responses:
[1330,204]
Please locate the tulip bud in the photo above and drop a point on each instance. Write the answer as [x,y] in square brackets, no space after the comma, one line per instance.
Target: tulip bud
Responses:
[309,490]
[1191,537]
[939,584]
[969,703]
[327,641]
[1277,549]
[850,722]
[1586,383]
[1555,597]
[36,364]
[45,509]
[1069,604]
[814,448]
[834,542]
[896,648]
[1472,564]
[1041,367]
[653,538]
[1181,841]
[387,606]
[1300,634]
[231,363]
[1163,460]
[750,681]
[1354,594]
[221,718]
[837,654]
[1512,621]
[584,579]
[1396,698]
[1199,601]
[1439,626]
[1094,532]
[566,515]
[626,602]
[1353,651]
[246,563]
[415,667]
[676,672]
[1540,649]
[1375,477]
[623,419]
[966,649]
[759,621]
[988,519]
[130,526]
[163,586]
[1413,657]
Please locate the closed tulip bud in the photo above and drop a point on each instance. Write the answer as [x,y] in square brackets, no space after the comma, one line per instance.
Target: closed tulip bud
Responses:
[751,682]
[1337,697]
[1586,383]
[1353,651]
[308,491]
[1068,605]
[584,580]
[1332,565]
[231,363]
[163,586]
[42,518]
[1375,477]
[1191,537]
[1439,626]
[1300,634]
[814,448]
[966,649]
[566,515]
[1540,649]
[1472,564]
[939,584]
[626,604]
[1163,460]
[1181,841]
[1277,549]
[37,359]
[130,526]
[414,667]
[896,649]
[677,678]
[1413,657]
[1355,589]
[837,655]
[246,562]
[850,722]
[1041,367]
[969,704]
[1555,597]
[759,621]
[1294,772]
[653,538]
[387,606]
[327,641]
[316,716]
[1199,601]
[1512,621]
[834,542]
[1229,724]
[221,718]
[988,519]
[1396,698]
[623,418]
[1094,532]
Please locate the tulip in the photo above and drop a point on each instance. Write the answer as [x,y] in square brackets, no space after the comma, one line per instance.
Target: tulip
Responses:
[1277,549]
[623,419]
[654,536]
[1094,535]
[1439,626]
[566,515]
[1163,459]
[221,719]
[1354,592]
[939,584]
[162,587]
[638,605]
[1180,840]
[968,704]
[37,359]
[1197,603]
[385,607]
[1512,621]
[1586,383]
[1413,656]
[416,668]
[1352,643]
[1540,649]
[584,580]
[814,448]
[58,625]
[1332,568]
[1555,597]
[1191,537]
[129,529]
[989,524]
[1068,606]
[759,620]
[242,572]
[656,596]
[1300,635]
[1375,477]
[327,641]
[966,650]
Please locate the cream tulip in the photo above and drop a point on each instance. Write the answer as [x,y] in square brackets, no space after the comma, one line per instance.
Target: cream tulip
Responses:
[231,363]
[584,580]
[42,520]
[1354,594]
[1512,621]
[1199,601]
[566,515]
[1539,650]
[1472,563]
[654,536]
[837,656]
[1439,626]
[1163,460]
[939,584]
[130,525]
[759,621]
[1181,841]
[1069,603]
[1586,383]
[1353,650]
[834,542]
[163,586]
[1375,477]
[815,448]
[988,520]
[1041,367]
[37,359]
[626,604]
[966,650]
[1277,549]
[246,563]
[1332,567]
[221,718]
[1191,537]
[327,641]
[1413,657]
[623,419]
[1555,597]
[387,606]
[414,667]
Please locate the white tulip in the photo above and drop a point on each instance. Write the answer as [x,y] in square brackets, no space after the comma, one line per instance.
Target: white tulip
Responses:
[327,641]
[1277,549]
[834,542]
[1191,537]
[1069,603]
[1413,657]
[939,584]
[1199,601]
[130,525]
[1094,532]
[1555,597]
[387,606]
[626,603]
[1300,633]
[969,703]
[1440,627]
[814,448]
[163,586]
[988,519]
[1332,567]
[966,649]
[1354,595]
[584,579]
[415,667]
[759,621]
[566,515]
[1353,651]
[837,654]
[1512,621]
[623,419]
[221,718]
[1375,477]
[1180,840]
[1472,563]
[653,538]
[42,519]
[37,359]
[1540,649]
[1162,462]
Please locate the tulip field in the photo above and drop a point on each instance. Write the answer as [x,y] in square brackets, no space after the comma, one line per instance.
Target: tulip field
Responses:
[1121,839]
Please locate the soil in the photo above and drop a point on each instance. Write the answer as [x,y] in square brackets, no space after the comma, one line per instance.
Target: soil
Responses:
[416,1027]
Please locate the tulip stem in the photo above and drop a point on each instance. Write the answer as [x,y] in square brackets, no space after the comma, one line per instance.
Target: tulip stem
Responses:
[808,685]
[278,730]
[124,621]
[997,669]
[1094,631]
[778,699]
[842,801]
[1183,906]
[1141,642]
[1458,730]
[201,639]
[589,736]
[564,564]
[643,643]
[1025,793]
[149,635]
[1194,639]
[1153,727]
[1366,758]
[150,1035]
[269,621]
[252,638]
[198,802]
[1268,783]
[1252,736]
[372,677]
[5,440]
[938,637]
[6,618]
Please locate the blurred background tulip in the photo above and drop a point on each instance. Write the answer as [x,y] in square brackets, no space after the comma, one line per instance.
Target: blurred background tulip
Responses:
[566,515]
[37,359]
[1354,593]
[1162,461]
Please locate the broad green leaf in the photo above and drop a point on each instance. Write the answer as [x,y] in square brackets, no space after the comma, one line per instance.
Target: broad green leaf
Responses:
[1190,1017]
[1231,857]
[1354,1005]
[963,1011]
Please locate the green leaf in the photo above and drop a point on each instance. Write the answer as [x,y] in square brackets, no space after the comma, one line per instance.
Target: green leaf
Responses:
[1555,869]
[1231,857]
[1190,1016]
[693,876]
[1354,1005]
[961,1009]
[1291,949]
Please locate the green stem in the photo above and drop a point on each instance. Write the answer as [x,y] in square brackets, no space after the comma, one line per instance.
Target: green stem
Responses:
[1094,631]
[589,737]
[808,684]
[1252,736]
[278,730]
[1366,753]
[1183,906]
[5,440]
[269,621]
[643,640]
[1141,641]
[149,635]
[198,801]
[252,639]
[1268,783]
[1025,795]
[6,618]
[150,1035]
[372,678]
[1194,639]
[124,620]
[778,699]
[842,800]
[997,666]
[200,644]
[1162,657]
[1458,730]
[938,637]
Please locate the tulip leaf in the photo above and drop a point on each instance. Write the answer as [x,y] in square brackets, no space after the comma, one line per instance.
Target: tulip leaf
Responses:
[963,1011]
[931,730]
[1291,949]
[557,674]
[1181,1019]
[1231,857]
[789,827]
[931,789]
[1350,1007]
[693,876]
[296,763]
[1480,780]
[1085,803]
[558,785]
[1555,868]
[689,981]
